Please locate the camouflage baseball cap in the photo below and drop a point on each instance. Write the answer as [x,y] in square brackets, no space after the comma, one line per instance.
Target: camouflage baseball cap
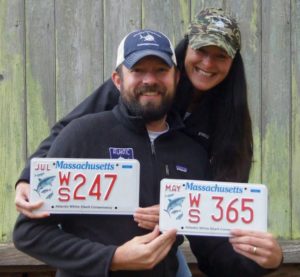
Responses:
[214,27]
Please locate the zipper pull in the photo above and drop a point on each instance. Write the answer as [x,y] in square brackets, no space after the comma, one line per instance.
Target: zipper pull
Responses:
[167,170]
[152,148]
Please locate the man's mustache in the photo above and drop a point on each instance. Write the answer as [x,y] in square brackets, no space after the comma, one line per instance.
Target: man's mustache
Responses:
[152,88]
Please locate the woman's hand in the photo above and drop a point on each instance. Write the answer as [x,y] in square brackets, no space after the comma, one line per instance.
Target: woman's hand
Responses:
[147,218]
[261,247]
[22,202]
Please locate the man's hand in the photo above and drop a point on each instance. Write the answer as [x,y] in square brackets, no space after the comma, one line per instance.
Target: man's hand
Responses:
[147,218]
[22,202]
[143,252]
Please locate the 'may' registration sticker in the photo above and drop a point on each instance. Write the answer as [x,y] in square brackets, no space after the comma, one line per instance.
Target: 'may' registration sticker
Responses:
[209,208]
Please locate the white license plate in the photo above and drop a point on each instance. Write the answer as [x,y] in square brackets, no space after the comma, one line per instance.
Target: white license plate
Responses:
[212,208]
[89,186]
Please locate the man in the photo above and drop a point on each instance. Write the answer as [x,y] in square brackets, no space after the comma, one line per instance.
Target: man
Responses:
[106,245]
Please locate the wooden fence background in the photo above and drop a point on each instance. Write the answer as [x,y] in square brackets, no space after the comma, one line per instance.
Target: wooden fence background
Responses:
[54,53]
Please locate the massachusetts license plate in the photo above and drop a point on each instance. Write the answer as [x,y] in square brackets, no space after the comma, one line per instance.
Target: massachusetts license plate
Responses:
[212,208]
[91,186]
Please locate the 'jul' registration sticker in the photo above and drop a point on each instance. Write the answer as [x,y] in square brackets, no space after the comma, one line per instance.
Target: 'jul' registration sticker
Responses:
[209,208]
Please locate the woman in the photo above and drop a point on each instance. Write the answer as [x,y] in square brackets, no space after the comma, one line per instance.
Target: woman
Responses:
[212,99]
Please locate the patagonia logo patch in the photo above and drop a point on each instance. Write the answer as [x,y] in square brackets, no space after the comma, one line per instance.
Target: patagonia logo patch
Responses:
[121,153]
[201,134]
[181,168]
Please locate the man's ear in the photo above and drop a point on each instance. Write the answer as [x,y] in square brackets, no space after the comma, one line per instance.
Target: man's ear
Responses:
[116,78]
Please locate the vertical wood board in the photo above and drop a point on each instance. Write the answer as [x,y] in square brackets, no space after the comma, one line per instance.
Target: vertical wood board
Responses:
[170,17]
[120,18]
[12,112]
[295,149]
[79,51]
[40,70]
[276,109]
[248,16]
[198,5]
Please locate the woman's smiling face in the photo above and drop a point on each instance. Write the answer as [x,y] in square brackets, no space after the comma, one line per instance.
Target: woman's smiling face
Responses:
[207,67]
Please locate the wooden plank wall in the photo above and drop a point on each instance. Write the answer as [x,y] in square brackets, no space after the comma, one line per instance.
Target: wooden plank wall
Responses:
[54,53]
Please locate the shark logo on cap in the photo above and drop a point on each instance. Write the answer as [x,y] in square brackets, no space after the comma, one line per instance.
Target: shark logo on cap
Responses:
[147,37]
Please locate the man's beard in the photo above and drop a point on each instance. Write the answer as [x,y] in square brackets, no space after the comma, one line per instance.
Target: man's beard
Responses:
[150,111]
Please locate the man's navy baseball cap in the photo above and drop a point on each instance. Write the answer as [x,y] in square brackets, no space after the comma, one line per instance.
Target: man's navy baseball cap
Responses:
[142,43]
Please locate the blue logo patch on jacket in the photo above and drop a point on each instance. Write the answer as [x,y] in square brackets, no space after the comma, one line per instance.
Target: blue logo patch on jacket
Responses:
[118,153]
